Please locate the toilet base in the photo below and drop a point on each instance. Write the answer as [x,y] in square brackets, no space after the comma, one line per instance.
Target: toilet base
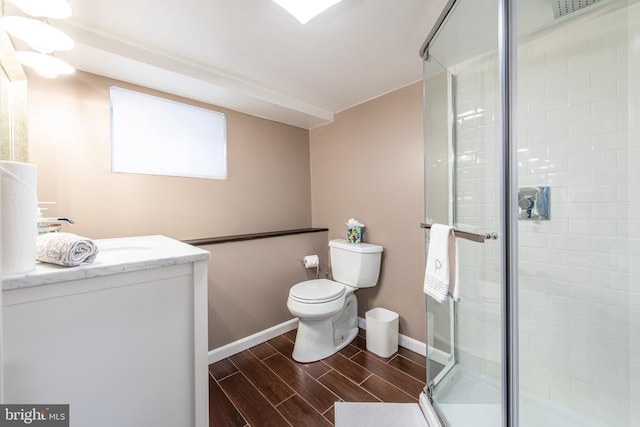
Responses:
[318,339]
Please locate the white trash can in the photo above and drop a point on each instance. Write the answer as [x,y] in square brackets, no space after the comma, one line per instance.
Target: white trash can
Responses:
[382,331]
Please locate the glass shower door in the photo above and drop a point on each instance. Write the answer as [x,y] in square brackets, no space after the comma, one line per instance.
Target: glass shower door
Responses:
[464,55]
[439,208]
[578,134]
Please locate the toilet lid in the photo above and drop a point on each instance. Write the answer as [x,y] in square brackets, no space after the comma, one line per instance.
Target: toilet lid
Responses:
[317,291]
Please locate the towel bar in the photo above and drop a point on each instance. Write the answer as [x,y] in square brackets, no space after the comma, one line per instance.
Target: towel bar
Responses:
[475,237]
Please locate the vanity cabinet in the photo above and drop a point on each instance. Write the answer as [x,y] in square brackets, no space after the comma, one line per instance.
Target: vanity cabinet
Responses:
[123,341]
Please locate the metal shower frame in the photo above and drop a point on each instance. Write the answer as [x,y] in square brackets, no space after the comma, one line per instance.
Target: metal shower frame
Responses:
[507,54]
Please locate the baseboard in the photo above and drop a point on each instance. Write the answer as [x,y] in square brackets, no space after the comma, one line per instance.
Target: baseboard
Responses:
[415,346]
[235,347]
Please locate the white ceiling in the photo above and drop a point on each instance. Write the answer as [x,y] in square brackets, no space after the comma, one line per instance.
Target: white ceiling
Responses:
[251,55]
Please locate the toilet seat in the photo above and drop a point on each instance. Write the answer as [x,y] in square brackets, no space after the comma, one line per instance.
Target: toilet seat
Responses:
[316,291]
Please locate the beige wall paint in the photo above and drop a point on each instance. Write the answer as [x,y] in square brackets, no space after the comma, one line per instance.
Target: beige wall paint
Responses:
[268,167]
[268,189]
[368,164]
[249,282]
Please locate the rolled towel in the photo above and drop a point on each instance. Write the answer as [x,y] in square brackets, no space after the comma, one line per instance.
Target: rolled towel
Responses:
[65,249]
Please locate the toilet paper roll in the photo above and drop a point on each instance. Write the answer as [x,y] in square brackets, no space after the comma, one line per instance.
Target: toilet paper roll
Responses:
[18,207]
[311,261]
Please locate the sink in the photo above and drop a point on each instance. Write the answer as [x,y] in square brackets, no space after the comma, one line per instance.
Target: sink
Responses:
[123,248]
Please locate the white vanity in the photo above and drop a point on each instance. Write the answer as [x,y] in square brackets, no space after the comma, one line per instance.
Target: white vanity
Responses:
[122,340]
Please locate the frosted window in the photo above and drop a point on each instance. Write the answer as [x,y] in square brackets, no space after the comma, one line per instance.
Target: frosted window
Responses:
[151,135]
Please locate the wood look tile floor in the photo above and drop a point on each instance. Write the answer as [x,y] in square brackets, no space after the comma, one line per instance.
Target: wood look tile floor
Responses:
[264,386]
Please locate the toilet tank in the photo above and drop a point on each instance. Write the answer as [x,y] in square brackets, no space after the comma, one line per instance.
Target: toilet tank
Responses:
[356,265]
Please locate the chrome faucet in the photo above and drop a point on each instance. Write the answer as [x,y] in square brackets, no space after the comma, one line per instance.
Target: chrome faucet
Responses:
[52,225]
[55,220]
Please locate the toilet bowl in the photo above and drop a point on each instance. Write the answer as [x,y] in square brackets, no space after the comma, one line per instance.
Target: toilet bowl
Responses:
[327,310]
[316,299]
[327,323]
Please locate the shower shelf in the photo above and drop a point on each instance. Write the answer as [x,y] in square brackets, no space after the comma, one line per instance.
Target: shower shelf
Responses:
[475,237]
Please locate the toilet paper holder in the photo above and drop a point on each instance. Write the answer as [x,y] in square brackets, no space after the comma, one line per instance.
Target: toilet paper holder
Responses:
[312,261]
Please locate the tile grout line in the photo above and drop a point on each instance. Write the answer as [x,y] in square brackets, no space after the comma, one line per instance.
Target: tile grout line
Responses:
[365,369]
[305,373]
[277,351]
[372,373]
[353,382]
[314,409]
[330,369]
[258,357]
[252,384]
[276,406]
[294,392]
[396,369]
[355,354]
[331,407]
[283,415]
[246,423]
[223,378]
[395,386]
[363,381]
[259,388]
[412,362]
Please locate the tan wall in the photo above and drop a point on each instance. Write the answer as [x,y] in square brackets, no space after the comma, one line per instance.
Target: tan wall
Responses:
[249,282]
[368,164]
[268,189]
[268,167]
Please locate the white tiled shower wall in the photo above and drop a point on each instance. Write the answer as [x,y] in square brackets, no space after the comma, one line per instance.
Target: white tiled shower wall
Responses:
[578,127]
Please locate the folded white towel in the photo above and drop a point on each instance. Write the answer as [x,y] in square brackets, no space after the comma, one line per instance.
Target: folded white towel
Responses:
[65,249]
[441,272]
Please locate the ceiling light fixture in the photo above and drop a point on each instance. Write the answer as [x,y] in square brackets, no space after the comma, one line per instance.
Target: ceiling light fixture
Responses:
[305,11]
[55,9]
[38,35]
[45,65]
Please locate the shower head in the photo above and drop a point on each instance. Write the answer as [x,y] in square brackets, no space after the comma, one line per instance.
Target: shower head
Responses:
[565,7]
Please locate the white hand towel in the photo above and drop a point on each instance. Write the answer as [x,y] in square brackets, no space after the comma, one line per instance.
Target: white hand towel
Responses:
[441,272]
[65,249]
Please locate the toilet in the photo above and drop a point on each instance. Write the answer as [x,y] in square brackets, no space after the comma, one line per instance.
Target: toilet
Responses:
[327,309]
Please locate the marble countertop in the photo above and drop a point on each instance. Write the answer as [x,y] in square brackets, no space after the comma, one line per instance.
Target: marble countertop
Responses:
[115,256]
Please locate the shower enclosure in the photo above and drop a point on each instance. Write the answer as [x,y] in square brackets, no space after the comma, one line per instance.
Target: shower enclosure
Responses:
[532,130]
